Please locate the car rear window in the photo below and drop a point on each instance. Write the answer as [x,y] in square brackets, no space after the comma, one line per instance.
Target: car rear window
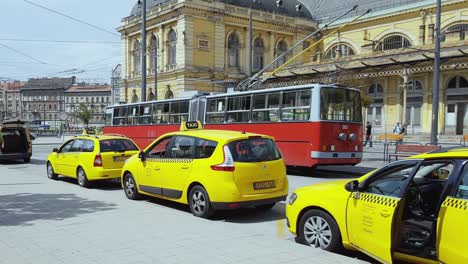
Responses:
[254,150]
[110,145]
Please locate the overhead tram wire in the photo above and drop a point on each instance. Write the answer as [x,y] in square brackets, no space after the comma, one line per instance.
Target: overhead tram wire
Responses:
[72,18]
[24,54]
[60,41]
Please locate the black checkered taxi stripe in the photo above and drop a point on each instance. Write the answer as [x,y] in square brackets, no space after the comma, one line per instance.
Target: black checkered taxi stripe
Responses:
[170,160]
[456,203]
[375,199]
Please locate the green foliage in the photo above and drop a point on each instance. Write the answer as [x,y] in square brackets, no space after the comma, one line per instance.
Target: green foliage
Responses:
[84,113]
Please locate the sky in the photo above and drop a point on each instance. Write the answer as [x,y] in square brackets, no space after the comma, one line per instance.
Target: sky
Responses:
[90,62]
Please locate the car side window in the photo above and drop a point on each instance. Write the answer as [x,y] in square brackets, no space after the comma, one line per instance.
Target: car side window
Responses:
[77,146]
[66,148]
[462,190]
[182,148]
[391,182]
[159,149]
[204,148]
[88,146]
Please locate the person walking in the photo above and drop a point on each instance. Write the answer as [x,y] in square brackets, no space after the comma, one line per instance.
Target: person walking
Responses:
[398,130]
[368,135]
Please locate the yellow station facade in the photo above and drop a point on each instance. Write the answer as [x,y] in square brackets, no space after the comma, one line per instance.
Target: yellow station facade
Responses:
[201,45]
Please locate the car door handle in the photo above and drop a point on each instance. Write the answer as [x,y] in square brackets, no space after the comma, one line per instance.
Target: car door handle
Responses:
[385,214]
[185,167]
[157,168]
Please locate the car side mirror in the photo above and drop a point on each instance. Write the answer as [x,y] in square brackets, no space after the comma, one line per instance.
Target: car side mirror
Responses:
[352,186]
[55,150]
[142,156]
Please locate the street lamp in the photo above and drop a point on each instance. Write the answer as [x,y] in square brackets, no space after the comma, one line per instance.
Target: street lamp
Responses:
[142,4]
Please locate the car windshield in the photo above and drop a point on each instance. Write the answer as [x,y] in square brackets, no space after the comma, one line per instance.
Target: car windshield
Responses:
[110,145]
[254,150]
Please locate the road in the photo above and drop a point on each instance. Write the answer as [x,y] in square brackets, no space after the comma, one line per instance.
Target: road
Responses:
[45,221]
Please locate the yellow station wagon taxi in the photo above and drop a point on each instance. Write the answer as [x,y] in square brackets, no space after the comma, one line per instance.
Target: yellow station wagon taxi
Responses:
[414,210]
[91,157]
[209,170]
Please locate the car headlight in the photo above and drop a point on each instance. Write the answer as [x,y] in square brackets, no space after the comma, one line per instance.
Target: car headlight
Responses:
[292,198]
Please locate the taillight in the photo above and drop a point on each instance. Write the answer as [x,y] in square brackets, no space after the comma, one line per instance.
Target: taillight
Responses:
[98,160]
[228,162]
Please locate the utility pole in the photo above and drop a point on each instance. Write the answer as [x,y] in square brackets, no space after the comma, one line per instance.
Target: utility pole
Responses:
[155,65]
[143,50]
[250,42]
[435,88]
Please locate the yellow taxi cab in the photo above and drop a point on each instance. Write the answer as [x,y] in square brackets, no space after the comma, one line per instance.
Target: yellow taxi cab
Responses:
[91,157]
[209,170]
[415,210]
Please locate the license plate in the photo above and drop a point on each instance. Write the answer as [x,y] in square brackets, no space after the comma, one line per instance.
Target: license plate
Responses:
[264,185]
[120,159]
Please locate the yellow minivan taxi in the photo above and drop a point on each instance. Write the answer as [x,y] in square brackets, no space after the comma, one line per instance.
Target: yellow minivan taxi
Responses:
[415,210]
[90,158]
[209,170]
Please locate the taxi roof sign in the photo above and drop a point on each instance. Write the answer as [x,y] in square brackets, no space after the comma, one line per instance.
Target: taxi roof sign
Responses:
[190,125]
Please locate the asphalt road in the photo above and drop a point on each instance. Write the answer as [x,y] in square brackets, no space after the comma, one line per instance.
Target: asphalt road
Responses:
[45,221]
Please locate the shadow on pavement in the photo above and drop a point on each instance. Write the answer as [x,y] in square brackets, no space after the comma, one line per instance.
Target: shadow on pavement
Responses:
[23,209]
[105,185]
[336,172]
[350,253]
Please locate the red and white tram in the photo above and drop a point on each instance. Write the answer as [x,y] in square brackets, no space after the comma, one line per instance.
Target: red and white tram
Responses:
[313,124]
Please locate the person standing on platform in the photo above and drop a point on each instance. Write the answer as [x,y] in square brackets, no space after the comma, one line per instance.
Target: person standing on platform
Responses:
[368,135]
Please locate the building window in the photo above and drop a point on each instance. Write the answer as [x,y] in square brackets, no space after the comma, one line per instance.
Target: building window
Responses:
[233,50]
[457,82]
[280,49]
[338,51]
[393,42]
[374,111]
[154,52]
[414,103]
[455,32]
[137,57]
[172,45]
[258,55]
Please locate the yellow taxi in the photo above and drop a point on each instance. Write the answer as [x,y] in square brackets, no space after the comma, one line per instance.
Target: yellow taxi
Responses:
[414,210]
[209,170]
[91,157]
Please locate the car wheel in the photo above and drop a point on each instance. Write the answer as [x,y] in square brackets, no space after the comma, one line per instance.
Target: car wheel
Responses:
[27,160]
[82,179]
[199,202]
[320,230]
[50,172]
[130,187]
[265,207]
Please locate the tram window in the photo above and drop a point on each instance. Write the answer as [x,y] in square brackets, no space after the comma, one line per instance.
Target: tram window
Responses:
[213,118]
[161,113]
[340,104]
[273,100]
[259,101]
[296,106]
[216,105]
[239,103]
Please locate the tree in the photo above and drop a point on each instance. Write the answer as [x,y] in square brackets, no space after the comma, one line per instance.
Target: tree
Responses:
[84,113]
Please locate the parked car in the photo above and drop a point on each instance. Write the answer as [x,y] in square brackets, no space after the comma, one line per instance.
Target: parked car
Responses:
[209,170]
[414,210]
[15,141]
[90,158]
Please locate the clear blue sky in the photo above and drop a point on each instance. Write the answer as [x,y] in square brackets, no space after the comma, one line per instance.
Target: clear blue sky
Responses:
[22,20]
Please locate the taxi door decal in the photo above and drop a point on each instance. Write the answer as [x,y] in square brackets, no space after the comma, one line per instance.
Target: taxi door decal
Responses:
[369,221]
[452,234]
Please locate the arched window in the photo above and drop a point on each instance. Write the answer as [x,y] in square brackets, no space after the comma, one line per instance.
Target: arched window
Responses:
[137,57]
[393,42]
[414,86]
[374,111]
[233,50]
[456,32]
[258,54]
[169,94]
[172,46]
[154,52]
[151,96]
[338,51]
[134,96]
[280,49]
[457,82]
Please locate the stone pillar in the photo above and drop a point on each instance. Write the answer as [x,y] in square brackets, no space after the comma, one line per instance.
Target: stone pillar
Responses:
[431,33]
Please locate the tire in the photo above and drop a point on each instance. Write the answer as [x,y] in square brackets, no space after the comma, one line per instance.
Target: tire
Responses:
[82,179]
[199,202]
[27,160]
[130,187]
[322,231]
[50,172]
[265,207]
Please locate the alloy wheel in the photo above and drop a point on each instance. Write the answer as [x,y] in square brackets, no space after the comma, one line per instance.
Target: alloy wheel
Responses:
[130,186]
[317,232]
[198,202]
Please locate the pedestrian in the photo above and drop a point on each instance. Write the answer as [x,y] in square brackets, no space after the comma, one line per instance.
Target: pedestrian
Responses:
[368,135]
[399,131]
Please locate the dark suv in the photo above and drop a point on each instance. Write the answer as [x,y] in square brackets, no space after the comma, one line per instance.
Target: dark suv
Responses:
[15,141]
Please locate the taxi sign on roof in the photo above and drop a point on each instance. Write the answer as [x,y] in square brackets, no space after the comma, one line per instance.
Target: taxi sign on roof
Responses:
[190,125]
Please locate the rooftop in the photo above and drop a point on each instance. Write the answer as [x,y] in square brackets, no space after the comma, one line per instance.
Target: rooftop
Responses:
[89,88]
[49,83]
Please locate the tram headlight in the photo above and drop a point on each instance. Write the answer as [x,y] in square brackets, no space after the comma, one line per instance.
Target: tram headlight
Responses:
[332,147]
[342,136]
[352,137]
[356,148]
[292,198]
